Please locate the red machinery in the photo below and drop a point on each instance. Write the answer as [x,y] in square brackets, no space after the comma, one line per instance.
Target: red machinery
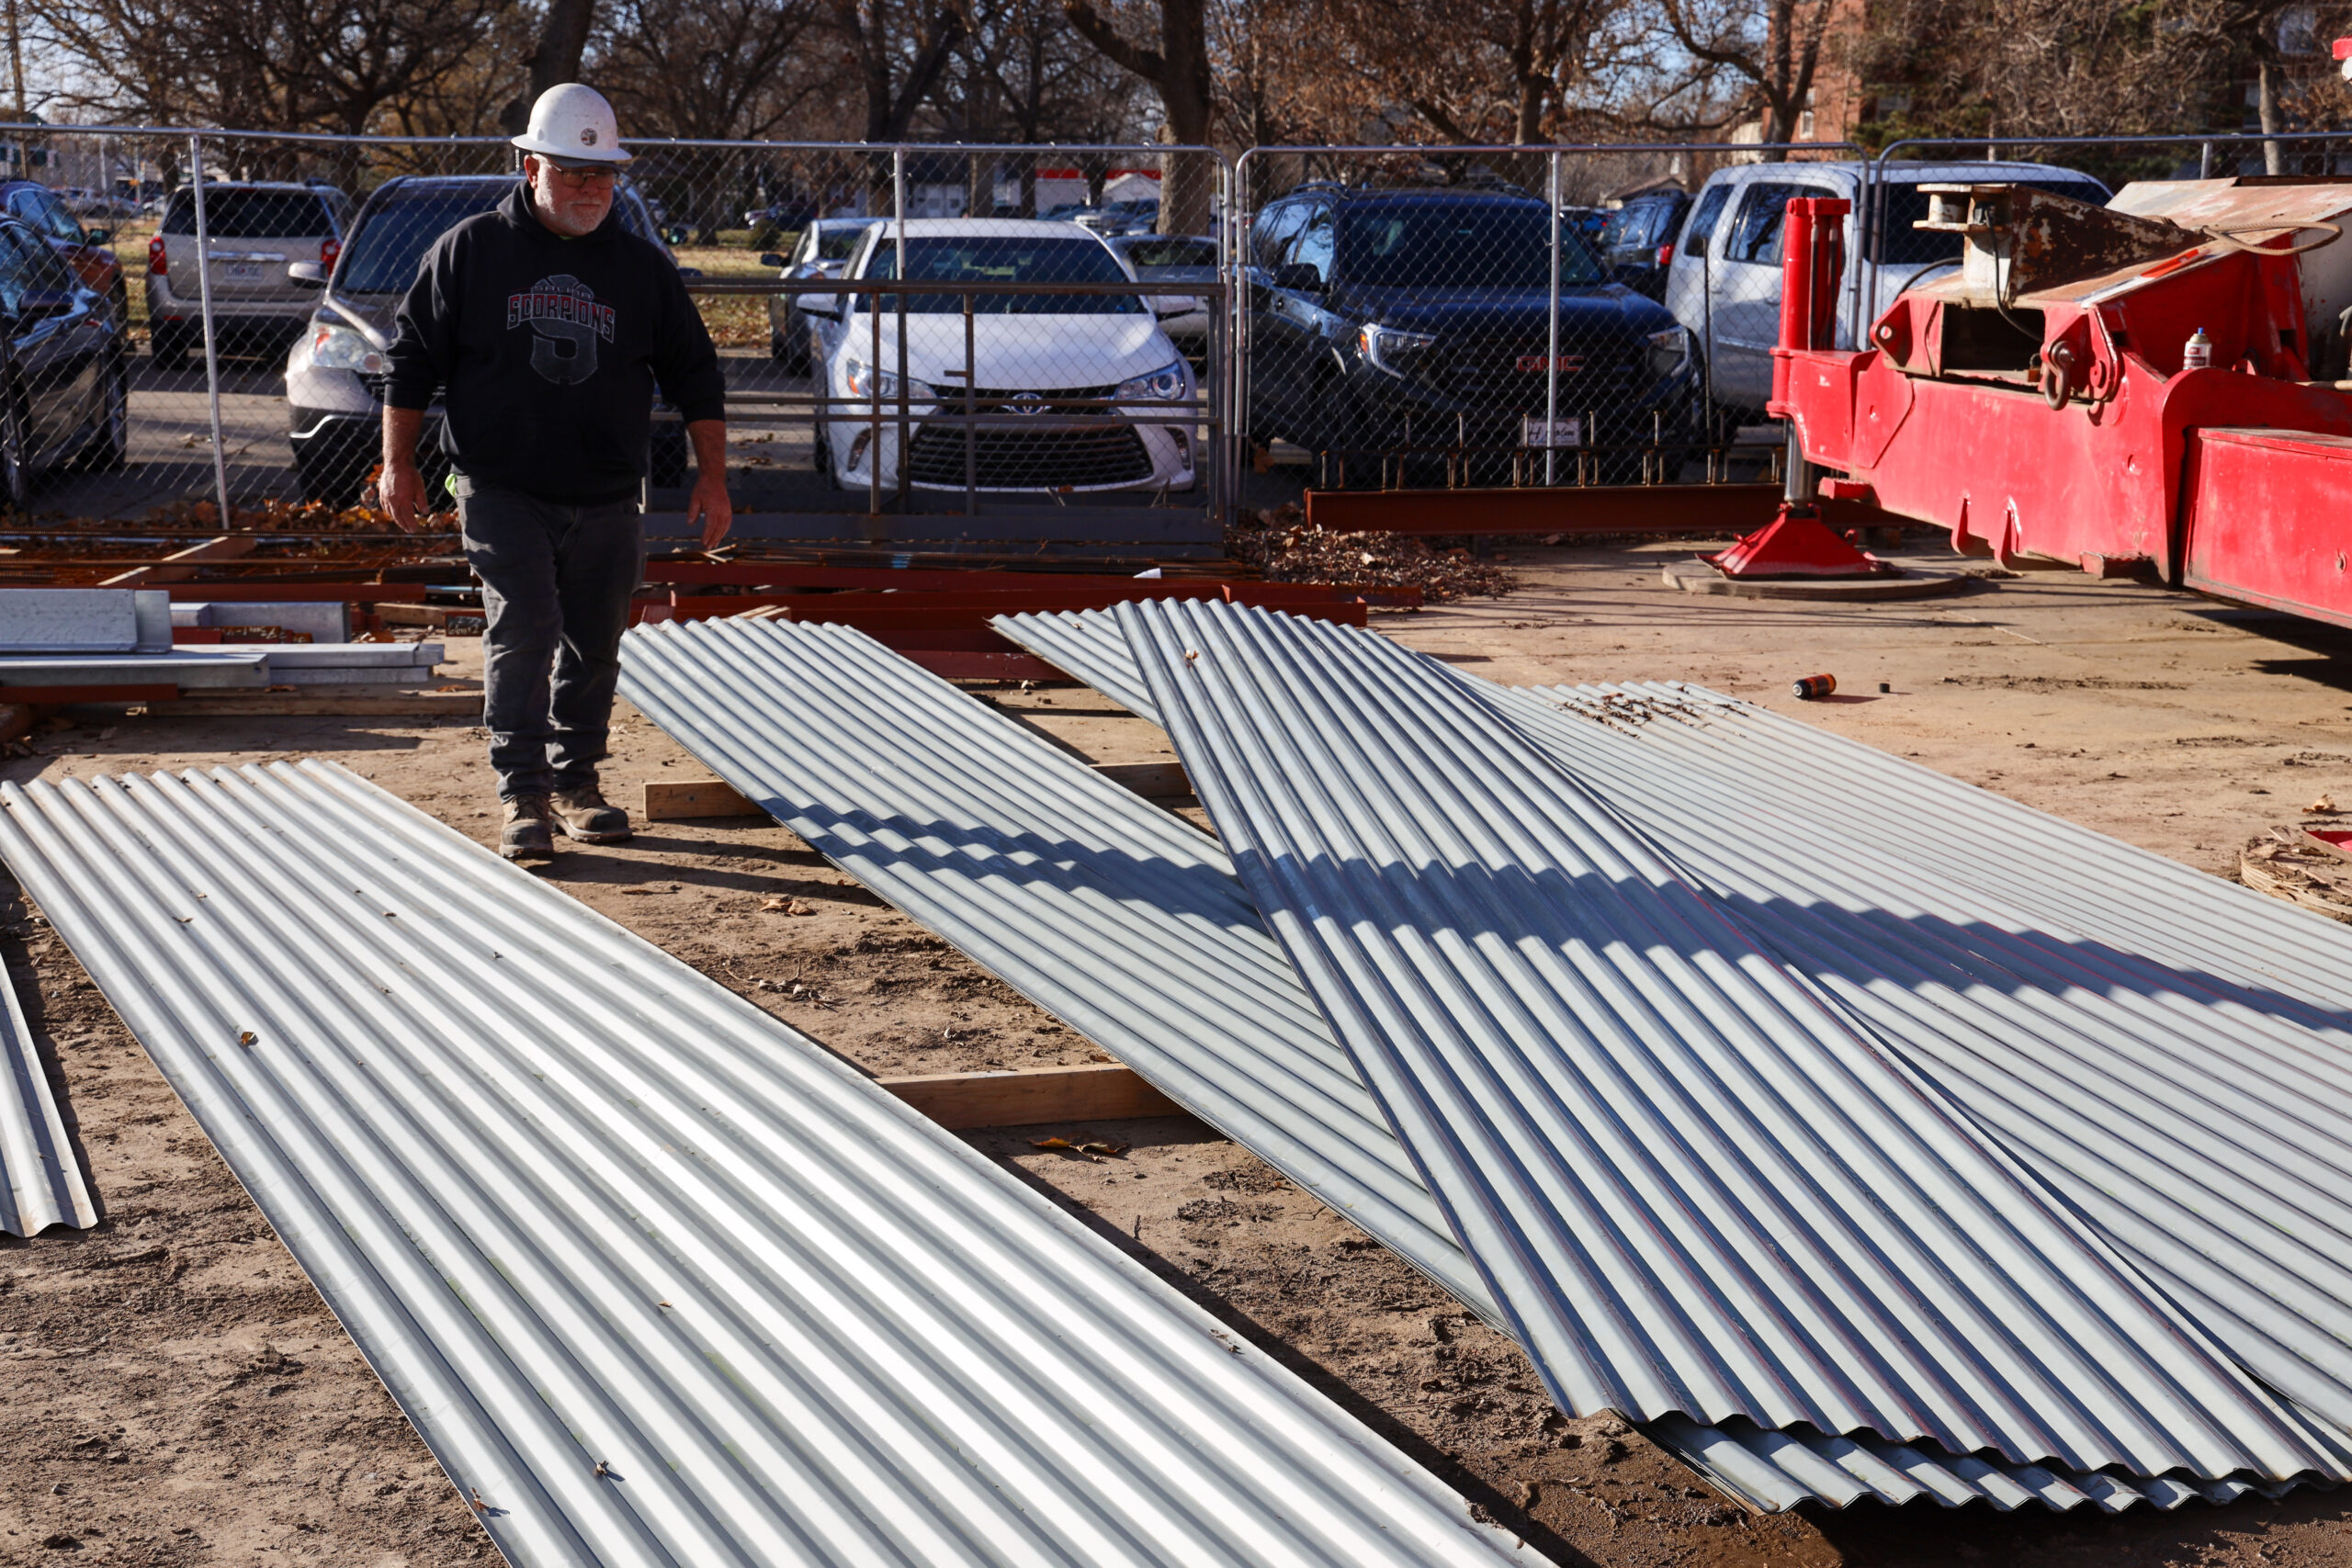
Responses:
[2036,402]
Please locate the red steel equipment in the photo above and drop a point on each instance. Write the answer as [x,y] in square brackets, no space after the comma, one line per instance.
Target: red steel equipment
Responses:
[2036,404]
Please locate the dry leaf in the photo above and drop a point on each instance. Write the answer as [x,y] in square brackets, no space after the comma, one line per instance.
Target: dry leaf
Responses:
[247,1038]
[2324,806]
[775,907]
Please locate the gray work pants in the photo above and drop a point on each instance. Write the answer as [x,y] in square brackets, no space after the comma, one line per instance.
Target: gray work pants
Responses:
[556,583]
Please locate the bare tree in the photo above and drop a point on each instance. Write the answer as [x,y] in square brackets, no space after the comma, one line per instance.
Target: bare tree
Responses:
[564,28]
[1772,48]
[265,65]
[1179,70]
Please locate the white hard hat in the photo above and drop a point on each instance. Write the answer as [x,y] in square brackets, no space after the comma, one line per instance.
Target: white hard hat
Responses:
[573,124]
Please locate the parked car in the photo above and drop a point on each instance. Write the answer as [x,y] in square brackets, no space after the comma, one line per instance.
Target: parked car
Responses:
[1637,242]
[825,247]
[254,230]
[1120,218]
[1175,258]
[46,213]
[64,383]
[1389,320]
[335,373]
[1724,282]
[1029,351]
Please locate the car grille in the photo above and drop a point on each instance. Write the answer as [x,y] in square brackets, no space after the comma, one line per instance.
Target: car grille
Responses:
[1015,399]
[1025,459]
[1490,372]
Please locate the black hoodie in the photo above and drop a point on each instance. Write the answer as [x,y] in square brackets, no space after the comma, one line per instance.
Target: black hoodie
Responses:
[551,349]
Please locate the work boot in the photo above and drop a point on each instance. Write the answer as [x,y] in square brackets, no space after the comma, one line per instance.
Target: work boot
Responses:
[584,814]
[526,835]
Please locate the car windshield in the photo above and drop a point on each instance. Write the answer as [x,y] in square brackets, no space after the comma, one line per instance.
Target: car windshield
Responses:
[840,245]
[1005,258]
[1900,245]
[1173,251]
[1459,245]
[251,214]
[393,239]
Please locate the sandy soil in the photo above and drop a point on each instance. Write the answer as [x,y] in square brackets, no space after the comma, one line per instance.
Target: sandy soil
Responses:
[175,1393]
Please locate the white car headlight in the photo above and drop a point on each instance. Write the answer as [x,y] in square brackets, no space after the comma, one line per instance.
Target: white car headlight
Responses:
[1380,347]
[864,381]
[1166,384]
[336,347]
[1667,351]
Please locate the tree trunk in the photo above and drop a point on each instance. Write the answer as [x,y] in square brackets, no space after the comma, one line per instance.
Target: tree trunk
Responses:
[563,38]
[1189,96]
[2265,109]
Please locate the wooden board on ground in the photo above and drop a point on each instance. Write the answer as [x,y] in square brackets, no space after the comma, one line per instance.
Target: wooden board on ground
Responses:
[1153,781]
[675,800]
[678,800]
[326,702]
[1095,1092]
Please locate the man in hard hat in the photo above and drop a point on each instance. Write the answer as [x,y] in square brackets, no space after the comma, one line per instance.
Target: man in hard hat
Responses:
[550,325]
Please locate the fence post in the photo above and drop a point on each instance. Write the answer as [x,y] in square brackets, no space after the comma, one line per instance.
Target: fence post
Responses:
[898,210]
[1551,335]
[211,347]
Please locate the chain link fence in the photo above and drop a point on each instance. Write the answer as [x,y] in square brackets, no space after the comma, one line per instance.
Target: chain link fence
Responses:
[1033,341]
[1080,341]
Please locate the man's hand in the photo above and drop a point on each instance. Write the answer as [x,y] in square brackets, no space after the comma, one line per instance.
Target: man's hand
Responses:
[399,488]
[400,492]
[708,503]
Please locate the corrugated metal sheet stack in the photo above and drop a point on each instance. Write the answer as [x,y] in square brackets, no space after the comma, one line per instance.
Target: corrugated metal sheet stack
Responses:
[1757,1149]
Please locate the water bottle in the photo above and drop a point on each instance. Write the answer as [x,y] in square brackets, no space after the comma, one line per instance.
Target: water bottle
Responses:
[2198,354]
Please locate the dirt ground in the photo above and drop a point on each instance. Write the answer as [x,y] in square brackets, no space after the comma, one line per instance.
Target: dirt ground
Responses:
[172,1391]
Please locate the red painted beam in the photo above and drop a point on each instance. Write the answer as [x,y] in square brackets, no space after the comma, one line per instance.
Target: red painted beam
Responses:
[1066,590]
[302,593]
[1570,510]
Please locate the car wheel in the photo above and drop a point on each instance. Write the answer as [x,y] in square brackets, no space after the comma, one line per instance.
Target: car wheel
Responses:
[167,343]
[820,451]
[109,444]
[778,350]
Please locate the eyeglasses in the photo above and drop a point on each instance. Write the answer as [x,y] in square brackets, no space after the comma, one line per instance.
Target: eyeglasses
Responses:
[578,178]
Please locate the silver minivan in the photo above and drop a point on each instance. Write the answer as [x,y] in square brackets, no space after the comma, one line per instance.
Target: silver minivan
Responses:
[1724,280]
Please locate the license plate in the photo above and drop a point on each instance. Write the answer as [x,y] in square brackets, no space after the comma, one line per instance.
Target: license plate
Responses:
[1569,364]
[238,272]
[1563,433]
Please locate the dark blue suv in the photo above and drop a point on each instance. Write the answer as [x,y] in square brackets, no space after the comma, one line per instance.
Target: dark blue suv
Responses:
[1401,326]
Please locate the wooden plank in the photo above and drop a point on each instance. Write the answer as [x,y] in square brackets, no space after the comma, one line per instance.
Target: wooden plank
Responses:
[1153,781]
[672,800]
[1095,1092]
[228,546]
[323,703]
[49,696]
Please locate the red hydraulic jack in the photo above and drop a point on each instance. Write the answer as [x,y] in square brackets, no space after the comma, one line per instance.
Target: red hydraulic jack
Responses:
[1797,543]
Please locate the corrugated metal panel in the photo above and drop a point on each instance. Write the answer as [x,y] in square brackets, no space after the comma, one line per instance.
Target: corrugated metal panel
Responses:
[659,1279]
[1088,646]
[798,716]
[1119,918]
[41,1181]
[1694,1188]
[2203,1127]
